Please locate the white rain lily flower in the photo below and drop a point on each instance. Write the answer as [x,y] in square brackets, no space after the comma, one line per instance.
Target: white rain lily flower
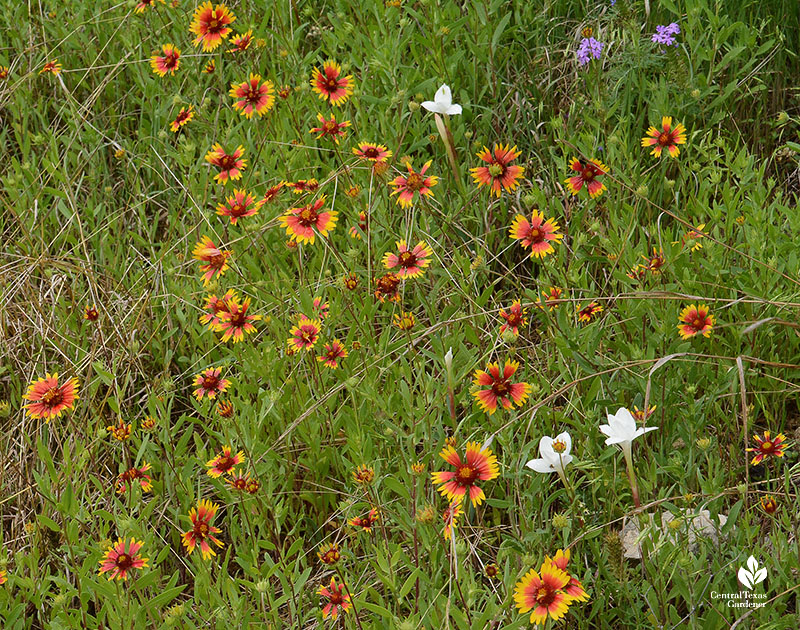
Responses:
[442,103]
[621,429]
[554,454]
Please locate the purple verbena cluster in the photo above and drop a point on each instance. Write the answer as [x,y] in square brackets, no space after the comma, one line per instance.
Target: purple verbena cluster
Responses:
[589,48]
[665,35]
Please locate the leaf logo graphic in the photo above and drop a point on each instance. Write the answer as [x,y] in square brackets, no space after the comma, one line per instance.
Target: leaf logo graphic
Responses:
[752,575]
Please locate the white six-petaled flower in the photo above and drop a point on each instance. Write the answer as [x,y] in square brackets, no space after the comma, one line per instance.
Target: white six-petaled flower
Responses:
[621,429]
[442,103]
[554,454]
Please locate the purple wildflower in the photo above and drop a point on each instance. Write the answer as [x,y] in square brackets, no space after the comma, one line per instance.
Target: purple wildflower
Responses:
[589,48]
[665,35]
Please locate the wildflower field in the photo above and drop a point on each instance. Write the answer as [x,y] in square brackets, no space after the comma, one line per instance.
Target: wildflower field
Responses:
[407,314]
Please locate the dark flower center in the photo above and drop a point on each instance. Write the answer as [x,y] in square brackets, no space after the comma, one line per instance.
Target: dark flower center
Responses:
[124,561]
[238,209]
[238,319]
[308,216]
[227,162]
[407,259]
[588,174]
[213,25]
[664,139]
[329,126]
[52,396]
[698,323]
[336,598]
[544,596]
[414,181]
[767,447]
[225,463]
[501,388]
[497,170]
[536,235]
[216,260]
[253,95]
[466,475]
[331,83]
[371,152]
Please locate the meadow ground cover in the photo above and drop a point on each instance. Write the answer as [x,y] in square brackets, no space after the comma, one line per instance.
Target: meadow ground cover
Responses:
[404,314]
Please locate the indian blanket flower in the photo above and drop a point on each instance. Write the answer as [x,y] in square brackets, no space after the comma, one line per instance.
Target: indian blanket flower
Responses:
[319,309]
[588,174]
[499,174]
[143,4]
[273,192]
[479,464]
[240,204]
[387,287]
[589,49]
[168,61]
[49,398]
[53,67]
[450,518]
[364,475]
[365,523]
[225,408]
[695,319]
[241,42]
[230,166]
[238,481]
[404,320]
[330,85]
[126,479]
[769,504]
[587,313]
[767,447]
[410,263]
[494,386]
[514,317]
[215,305]
[350,281]
[622,431]
[665,34]
[668,137]
[3,576]
[656,262]
[406,187]
[202,530]
[210,66]
[329,554]
[537,234]
[209,383]
[252,96]
[215,259]
[305,334]
[694,236]
[3,76]
[372,152]
[121,558]
[302,224]
[235,322]
[336,599]
[90,313]
[183,117]
[442,102]
[574,589]
[332,354]
[121,431]
[551,298]
[211,25]
[224,462]
[303,186]
[543,593]
[330,128]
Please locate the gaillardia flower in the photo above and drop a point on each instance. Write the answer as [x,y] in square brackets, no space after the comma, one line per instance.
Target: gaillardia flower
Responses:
[330,85]
[168,61]
[537,233]
[514,317]
[364,474]
[215,259]
[90,313]
[410,263]
[478,465]
[214,306]
[183,117]
[209,383]
[305,334]
[588,174]
[667,138]
[574,589]
[332,354]
[135,474]
[48,399]
[493,386]
[336,599]
[240,204]
[53,67]
[767,447]
[365,522]
[413,183]
[695,319]
[121,558]
[329,554]
[450,518]
[387,287]
[202,530]
[210,25]
[253,96]
[330,128]
[235,322]
[543,593]
[241,42]
[498,175]
[372,152]
[224,462]
[301,223]
[587,313]
[230,166]
[551,298]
